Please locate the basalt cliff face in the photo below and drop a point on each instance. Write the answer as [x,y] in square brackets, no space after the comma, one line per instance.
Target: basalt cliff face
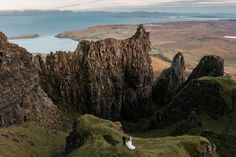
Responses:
[21,98]
[165,87]
[108,78]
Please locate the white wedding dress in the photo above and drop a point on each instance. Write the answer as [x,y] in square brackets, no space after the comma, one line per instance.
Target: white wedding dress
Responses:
[129,145]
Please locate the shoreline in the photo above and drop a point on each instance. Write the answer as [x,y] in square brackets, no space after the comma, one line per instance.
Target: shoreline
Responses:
[80,34]
[32,36]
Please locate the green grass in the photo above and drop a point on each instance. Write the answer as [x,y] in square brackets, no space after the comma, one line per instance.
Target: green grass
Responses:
[229,88]
[95,145]
[34,141]
[227,123]
[30,141]
[223,125]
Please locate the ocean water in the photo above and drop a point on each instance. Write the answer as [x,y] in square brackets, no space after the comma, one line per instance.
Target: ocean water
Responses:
[48,25]
[46,44]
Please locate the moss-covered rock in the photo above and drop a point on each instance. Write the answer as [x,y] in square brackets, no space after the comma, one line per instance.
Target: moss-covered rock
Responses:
[205,107]
[103,138]
[214,96]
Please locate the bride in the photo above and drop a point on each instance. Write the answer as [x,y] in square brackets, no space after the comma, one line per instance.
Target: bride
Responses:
[129,144]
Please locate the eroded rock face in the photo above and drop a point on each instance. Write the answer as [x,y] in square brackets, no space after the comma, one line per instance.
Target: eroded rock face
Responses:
[164,88]
[108,78]
[21,98]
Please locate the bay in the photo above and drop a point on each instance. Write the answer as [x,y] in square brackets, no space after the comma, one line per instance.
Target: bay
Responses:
[48,25]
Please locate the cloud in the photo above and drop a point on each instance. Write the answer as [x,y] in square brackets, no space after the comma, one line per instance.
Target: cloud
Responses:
[75,4]
[201,2]
[100,4]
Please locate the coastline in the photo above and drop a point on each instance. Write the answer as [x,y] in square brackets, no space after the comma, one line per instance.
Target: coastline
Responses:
[32,36]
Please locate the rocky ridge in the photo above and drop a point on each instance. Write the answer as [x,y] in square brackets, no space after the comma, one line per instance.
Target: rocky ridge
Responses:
[108,78]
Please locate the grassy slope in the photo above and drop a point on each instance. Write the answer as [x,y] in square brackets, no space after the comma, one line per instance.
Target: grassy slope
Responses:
[97,146]
[35,141]
[227,123]
[30,141]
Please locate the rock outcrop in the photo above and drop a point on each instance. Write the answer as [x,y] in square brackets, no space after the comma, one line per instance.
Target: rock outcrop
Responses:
[89,127]
[208,66]
[21,98]
[165,87]
[108,78]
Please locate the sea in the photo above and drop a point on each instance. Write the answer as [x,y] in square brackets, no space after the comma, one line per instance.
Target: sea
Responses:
[47,24]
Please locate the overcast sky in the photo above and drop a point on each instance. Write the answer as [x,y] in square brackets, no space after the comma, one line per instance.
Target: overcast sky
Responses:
[88,5]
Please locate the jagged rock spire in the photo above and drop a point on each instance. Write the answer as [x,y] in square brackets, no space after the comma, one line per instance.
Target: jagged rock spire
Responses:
[141,32]
[164,88]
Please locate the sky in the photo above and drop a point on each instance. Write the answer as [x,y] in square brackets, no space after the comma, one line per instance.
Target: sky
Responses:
[108,5]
